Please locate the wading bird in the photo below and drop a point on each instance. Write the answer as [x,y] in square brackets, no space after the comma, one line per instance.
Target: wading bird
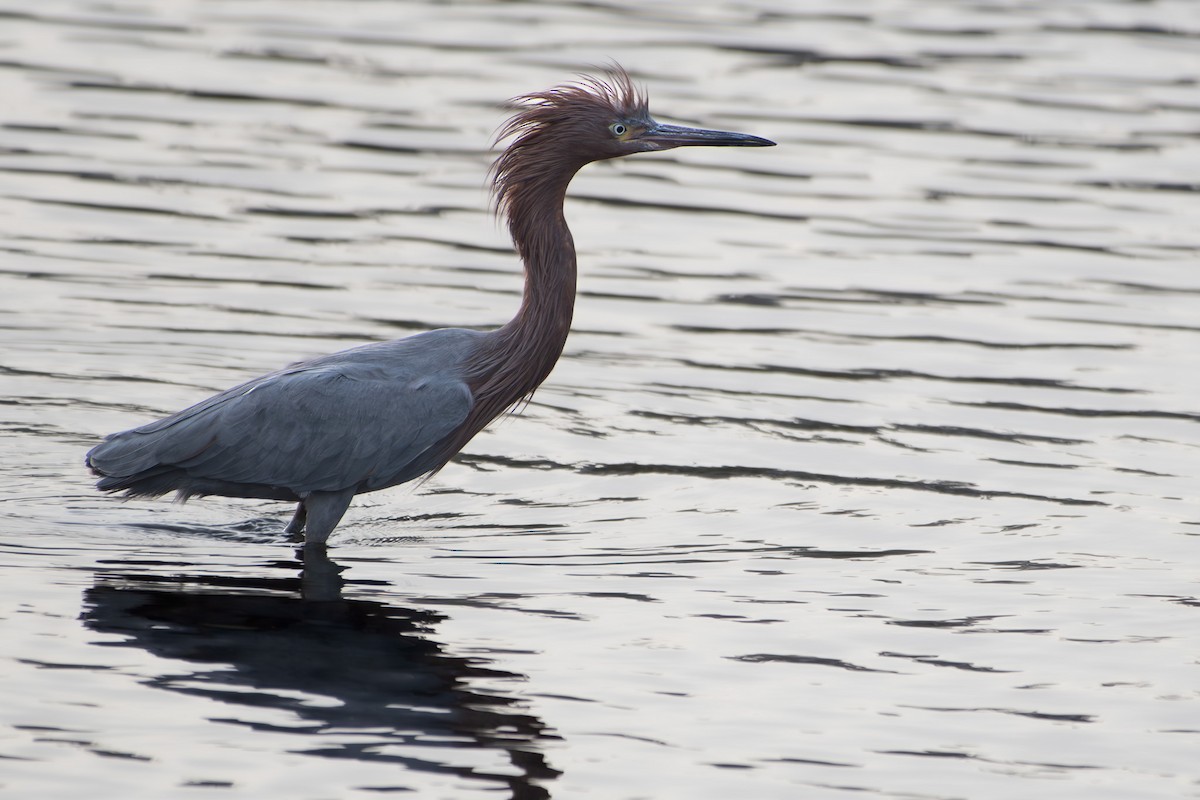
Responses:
[321,431]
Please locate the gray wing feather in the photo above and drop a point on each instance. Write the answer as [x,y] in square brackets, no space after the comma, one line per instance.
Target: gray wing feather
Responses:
[356,418]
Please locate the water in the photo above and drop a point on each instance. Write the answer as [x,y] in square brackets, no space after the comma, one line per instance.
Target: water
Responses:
[869,470]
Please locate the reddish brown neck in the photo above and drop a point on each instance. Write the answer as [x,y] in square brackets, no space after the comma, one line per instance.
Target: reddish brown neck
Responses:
[517,357]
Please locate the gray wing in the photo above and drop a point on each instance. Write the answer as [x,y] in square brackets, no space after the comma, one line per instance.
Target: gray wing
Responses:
[359,418]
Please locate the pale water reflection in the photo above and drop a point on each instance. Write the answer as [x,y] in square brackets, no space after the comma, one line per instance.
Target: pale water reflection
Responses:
[869,469]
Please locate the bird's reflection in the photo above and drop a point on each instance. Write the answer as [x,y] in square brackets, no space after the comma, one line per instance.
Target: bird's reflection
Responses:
[292,639]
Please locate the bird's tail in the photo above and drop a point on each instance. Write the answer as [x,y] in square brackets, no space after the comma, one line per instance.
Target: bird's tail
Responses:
[155,484]
[110,461]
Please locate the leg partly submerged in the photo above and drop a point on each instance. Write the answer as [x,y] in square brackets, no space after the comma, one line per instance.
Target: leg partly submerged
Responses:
[296,526]
[318,514]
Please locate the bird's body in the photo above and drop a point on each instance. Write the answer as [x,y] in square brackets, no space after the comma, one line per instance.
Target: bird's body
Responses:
[321,431]
[283,435]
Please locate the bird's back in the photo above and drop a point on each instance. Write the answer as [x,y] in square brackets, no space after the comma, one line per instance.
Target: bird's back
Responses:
[365,418]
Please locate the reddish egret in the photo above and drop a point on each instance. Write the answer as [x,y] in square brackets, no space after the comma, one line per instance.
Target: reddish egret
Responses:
[321,431]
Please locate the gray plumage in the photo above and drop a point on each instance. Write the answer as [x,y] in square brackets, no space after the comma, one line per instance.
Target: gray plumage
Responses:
[360,420]
[321,431]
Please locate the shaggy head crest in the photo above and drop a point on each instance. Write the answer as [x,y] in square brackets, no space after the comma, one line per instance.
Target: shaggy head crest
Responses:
[563,127]
[539,110]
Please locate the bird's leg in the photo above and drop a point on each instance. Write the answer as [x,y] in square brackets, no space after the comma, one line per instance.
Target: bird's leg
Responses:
[297,524]
[324,511]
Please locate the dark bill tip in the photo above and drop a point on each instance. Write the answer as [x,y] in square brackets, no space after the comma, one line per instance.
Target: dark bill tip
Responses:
[665,136]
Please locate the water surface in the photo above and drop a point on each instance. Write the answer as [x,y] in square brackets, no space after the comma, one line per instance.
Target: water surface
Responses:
[868,471]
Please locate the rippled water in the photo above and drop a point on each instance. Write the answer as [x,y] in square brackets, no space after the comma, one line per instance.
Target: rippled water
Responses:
[869,469]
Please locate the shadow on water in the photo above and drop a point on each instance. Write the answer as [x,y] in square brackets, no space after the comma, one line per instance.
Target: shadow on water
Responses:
[278,643]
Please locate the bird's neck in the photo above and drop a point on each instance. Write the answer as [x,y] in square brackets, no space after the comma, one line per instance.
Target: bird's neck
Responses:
[547,250]
[520,355]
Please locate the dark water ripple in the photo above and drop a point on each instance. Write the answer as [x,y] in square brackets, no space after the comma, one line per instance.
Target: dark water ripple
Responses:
[873,447]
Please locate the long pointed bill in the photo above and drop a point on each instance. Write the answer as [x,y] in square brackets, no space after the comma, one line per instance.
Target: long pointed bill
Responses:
[664,137]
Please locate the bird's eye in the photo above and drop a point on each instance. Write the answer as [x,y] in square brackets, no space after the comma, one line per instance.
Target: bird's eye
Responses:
[618,129]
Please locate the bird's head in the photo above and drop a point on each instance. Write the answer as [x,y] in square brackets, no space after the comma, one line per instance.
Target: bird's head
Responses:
[562,129]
